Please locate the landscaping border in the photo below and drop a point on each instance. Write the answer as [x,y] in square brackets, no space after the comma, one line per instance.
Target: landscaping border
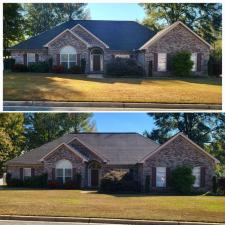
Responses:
[101,220]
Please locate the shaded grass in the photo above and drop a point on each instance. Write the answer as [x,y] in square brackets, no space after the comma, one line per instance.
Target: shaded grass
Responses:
[79,204]
[46,87]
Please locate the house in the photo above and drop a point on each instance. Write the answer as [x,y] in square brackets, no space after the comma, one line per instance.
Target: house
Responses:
[97,42]
[94,154]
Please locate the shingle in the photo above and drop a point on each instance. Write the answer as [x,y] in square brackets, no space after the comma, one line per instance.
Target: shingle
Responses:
[118,35]
[119,148]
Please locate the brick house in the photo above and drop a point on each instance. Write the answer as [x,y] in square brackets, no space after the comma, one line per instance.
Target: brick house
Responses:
[98,42]
[94,154]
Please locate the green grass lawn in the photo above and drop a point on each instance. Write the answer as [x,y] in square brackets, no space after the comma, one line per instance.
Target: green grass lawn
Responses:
[80,204]
[56,87]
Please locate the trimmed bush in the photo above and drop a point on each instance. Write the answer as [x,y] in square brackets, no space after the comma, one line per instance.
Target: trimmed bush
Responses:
[9,63]
[19,68]
[39,67]
[120,67]
[147,183]
[58,69]
[181,64]
[117,182]
[214,184]
[181,180]
[221,185]
[75,70]
[215,63]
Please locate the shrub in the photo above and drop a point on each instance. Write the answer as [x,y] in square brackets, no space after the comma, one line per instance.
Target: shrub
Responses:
[58,69]
[19,68]
[53,184]
[9,63]
[75,70]
[39,67]
[117,181]
[215,63]
[50,63]
[124,67]
[182,180]
[83,65]
[214,184]
[181,64]
[221,185]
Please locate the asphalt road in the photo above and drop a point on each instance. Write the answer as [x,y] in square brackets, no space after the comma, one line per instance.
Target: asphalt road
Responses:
[18,222]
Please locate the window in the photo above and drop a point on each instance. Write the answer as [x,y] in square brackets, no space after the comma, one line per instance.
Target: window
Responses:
[196,172]
[26,173]
[161,177]
[68,57]
[30,58]
[124,56]
[162,58]
[63,170]
[194,59]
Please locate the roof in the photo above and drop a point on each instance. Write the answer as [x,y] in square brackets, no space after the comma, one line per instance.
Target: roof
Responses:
[118,148]
[118,35]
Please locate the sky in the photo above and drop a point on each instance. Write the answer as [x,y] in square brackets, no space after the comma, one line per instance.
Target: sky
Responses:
[123,122]
[116,11]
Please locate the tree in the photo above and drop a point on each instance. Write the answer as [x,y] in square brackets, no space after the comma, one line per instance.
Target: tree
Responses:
[13,24]
[41,17]
[45,127]
[204,18]
[12,137]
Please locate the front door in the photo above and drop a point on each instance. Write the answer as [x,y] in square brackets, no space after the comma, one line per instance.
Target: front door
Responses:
[94,178]
[96,62]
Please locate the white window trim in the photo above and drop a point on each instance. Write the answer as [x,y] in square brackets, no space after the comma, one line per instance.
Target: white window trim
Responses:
[27,176]
[197,183]
[164,55]
[123,56]
[194,67]
[157,171]
[28,57]
[64,164]
[68,59]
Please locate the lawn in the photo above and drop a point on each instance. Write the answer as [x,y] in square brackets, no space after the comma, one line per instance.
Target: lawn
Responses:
[80,204]
[55,87]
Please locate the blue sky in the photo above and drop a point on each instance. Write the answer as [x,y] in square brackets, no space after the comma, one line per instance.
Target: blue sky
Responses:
[123,122]
[116,11]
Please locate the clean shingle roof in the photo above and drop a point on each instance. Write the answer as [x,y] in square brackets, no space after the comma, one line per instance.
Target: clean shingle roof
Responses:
[118,35]
[118,148]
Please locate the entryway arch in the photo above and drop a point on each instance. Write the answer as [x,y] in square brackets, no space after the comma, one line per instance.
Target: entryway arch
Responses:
[96,60]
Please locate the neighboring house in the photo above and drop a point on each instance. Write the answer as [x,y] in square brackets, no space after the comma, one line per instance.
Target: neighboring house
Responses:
[97,42]
[94,154]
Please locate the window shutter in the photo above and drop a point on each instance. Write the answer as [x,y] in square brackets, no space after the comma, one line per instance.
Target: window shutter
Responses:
[74,174]
[167,176]
[199,61]
[36,58]
[53,173]
[32,172]
[78,59]
[58,59]
[21,173]
[202,176]
[25,59]
[156,61]
[153,177]
[169,62]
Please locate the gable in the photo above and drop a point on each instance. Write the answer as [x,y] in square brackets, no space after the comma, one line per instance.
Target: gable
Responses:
[179,35]
[63,151]
[88,36]
[65,38]
[180,149]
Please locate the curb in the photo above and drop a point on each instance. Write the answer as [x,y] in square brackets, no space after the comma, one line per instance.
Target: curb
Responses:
[101,220]
[113,105]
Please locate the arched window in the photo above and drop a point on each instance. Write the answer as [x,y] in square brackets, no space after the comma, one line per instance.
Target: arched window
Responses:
[68,57]
[63,170]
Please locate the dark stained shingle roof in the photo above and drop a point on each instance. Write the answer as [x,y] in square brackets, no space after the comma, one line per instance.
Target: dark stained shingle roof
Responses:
[118,148]
[118,35]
